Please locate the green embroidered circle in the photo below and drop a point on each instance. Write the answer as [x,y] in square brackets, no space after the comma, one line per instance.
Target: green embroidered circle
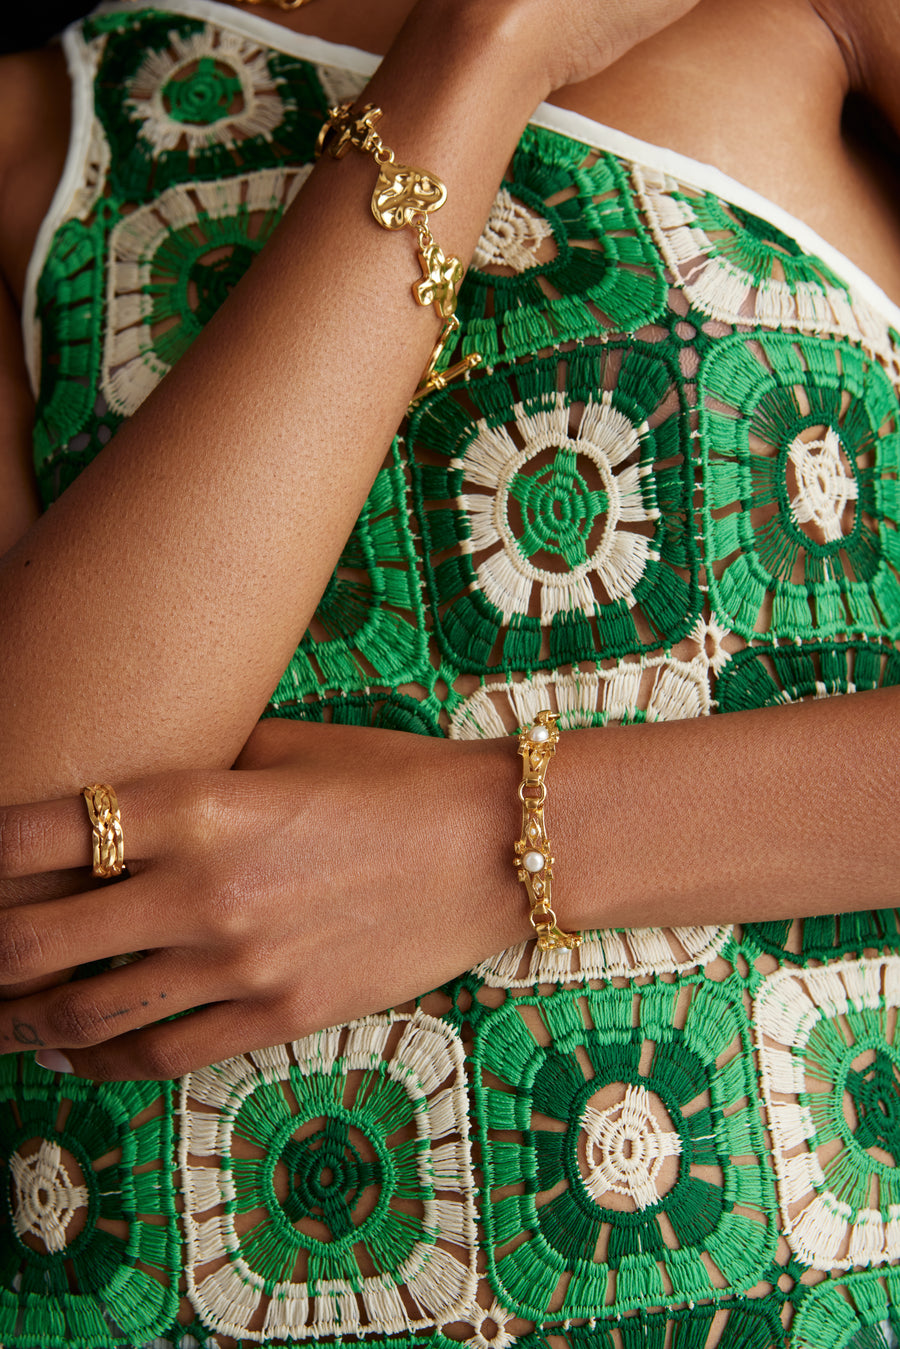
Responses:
[328,1176]
[810,553]
[568,530]
[180,100]
[545,1116]
[867,1101]
[202,95]
[101,1288]
[558,509]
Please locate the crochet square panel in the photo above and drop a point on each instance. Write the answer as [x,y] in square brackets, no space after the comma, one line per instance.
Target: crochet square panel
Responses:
[831,1079]
[328,1184]
[800,441]
[78,1154]
[554,501]
[622,1150]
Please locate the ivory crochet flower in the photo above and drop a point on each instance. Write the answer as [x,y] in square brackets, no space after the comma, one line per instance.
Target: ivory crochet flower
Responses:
[565,526]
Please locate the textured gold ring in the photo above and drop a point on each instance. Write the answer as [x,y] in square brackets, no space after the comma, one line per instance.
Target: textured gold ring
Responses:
[106,824]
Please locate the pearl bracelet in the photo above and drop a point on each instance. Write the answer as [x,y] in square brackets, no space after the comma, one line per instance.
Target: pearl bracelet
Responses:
[533,860]
[404,197]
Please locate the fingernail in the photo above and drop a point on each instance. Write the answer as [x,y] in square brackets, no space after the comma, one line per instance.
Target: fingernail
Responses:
[53,1061]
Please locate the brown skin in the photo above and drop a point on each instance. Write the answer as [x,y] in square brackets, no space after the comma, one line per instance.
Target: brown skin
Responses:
[215,855]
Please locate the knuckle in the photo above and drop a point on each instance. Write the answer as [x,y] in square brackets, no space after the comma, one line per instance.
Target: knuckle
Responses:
[15,841]
[200,810]
[74,1019]
[21,946]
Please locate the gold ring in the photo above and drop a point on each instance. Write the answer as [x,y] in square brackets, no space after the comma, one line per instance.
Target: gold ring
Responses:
[106,823]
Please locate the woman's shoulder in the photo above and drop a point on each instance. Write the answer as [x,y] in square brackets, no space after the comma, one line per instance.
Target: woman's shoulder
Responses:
[34,135]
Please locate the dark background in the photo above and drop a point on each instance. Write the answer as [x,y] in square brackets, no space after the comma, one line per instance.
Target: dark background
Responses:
[38,21]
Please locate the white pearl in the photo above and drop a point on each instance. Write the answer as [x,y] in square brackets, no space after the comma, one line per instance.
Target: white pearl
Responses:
[539,734]
[534,861]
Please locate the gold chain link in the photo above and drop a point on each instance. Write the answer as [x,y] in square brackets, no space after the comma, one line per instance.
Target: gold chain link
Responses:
[403,198]
[533,859]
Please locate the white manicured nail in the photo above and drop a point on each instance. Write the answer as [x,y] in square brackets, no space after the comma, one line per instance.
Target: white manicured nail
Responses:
[53,1060]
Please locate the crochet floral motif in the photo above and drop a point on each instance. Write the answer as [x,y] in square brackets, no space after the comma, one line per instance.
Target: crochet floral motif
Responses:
[583,1251]
[801,448]
[857,1312]
[179,99]
[831,1077]
[74,1157]
[565,528]
[329,1162]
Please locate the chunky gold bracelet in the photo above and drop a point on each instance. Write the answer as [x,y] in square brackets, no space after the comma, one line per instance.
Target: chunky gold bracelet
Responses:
[533,859]
[405,197]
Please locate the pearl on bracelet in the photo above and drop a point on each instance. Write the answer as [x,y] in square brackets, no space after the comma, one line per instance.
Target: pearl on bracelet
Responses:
[534,861]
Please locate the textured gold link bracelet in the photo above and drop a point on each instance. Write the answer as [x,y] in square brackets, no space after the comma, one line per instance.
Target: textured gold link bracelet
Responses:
[404,197]
[533,860]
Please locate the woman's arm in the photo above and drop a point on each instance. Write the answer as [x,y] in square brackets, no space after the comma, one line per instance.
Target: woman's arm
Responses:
[149,614]
[347,870]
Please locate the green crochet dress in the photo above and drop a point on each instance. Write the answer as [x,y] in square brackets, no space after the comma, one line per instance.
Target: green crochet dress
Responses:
[670,490]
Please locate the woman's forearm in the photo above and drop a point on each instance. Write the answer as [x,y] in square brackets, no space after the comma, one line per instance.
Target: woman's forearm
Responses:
[782,811]
[149,614]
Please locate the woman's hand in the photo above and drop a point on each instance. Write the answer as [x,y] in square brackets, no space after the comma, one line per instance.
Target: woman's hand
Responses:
[339,872]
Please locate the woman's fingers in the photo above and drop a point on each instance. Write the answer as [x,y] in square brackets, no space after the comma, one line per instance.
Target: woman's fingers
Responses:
[39,939]
[54,835]
[169,1050]
[88,1012]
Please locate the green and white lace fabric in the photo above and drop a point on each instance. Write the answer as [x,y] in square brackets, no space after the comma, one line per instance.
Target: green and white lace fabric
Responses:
[671,490]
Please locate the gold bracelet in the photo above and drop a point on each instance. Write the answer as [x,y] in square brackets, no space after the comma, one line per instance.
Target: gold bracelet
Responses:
[533,859]
[405,197]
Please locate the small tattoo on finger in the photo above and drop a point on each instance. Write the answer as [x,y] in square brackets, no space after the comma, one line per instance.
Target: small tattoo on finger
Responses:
[25,1034]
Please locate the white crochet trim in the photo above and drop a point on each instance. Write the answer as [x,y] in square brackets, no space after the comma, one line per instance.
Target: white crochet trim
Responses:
[820,1227]
[512,235]
[661,687]
[131,366]
[718,287]
[609,441]
[45,1198]
[428,1061]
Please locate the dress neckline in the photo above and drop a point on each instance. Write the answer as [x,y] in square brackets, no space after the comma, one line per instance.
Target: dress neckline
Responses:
[319,51]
